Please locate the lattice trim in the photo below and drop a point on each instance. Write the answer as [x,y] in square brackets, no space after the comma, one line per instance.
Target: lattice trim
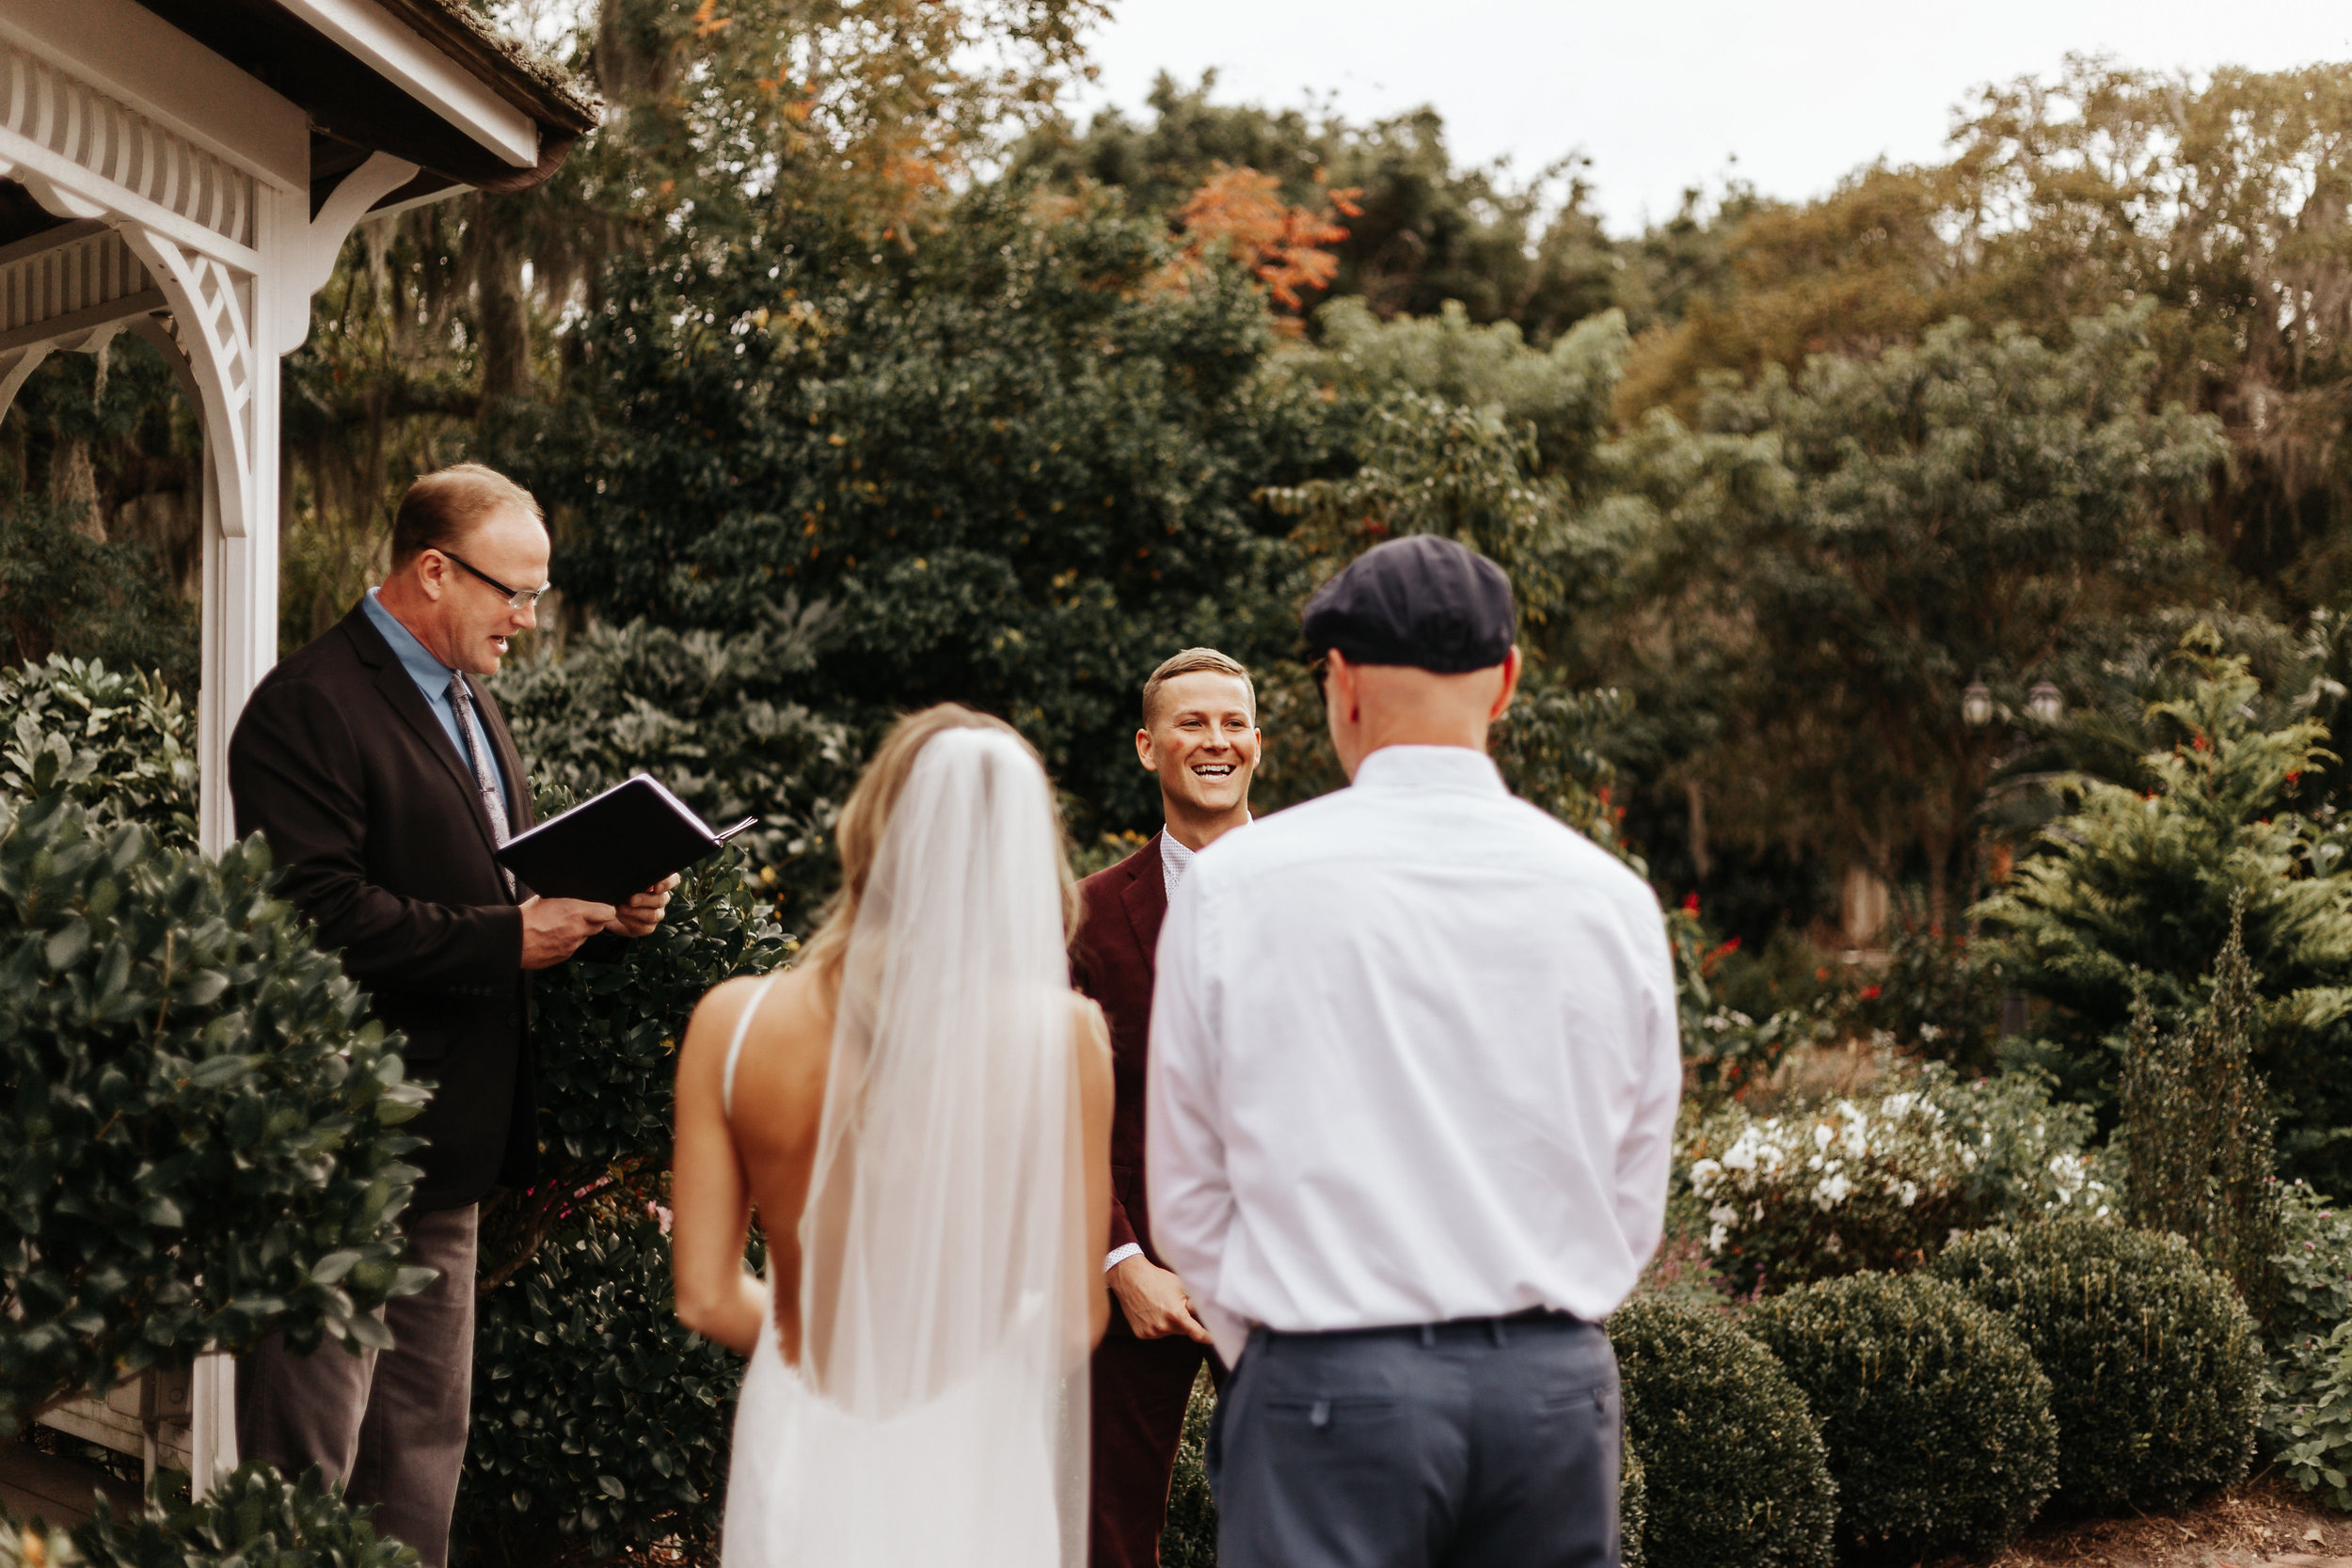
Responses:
[69,280]
[76,121]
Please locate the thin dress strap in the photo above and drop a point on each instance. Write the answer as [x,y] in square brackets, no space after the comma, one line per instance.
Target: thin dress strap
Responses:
[735,1046]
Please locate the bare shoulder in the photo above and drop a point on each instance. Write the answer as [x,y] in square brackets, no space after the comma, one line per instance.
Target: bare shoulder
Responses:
[712,1027]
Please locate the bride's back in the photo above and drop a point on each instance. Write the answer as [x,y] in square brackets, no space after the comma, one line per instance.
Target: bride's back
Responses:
[918,1102]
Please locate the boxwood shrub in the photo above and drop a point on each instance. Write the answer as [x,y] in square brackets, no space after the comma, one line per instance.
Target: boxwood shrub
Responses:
[1936,1417]
[254,1518]
[1189,1538]
[600,1425]
[1733,1466]
[198,1135]
[2155,1372]
[1632,1507]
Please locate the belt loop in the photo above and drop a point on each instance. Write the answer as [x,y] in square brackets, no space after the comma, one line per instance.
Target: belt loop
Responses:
[1429,1336]
[1496,1325]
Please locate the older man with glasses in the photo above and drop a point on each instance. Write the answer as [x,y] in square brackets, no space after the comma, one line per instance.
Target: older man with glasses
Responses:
[384,778]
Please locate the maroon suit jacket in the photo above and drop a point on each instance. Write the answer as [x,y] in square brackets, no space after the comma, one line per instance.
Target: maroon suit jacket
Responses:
[1113,962]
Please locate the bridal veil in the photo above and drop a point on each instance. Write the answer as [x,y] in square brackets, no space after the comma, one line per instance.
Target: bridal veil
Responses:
[940,1415]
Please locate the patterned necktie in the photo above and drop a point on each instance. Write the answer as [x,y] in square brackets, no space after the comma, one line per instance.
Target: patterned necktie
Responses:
[485,777]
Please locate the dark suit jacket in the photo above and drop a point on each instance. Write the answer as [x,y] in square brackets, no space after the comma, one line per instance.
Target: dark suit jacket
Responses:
[1113,962]
[386,847]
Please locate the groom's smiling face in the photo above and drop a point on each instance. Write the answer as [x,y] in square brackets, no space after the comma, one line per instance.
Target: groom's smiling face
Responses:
[1202,740]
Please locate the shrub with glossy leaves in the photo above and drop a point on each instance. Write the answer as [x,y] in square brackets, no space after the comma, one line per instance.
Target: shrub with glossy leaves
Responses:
[198,1135]
[1733,1467]
[2155,1372]
[2307,1425]
[1633,1506]
[123,743]
[1936,1416]
[254,1518]
[600,1425]
[1880,1182]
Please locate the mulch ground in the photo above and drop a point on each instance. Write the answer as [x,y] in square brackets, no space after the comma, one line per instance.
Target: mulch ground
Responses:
[2267,1521]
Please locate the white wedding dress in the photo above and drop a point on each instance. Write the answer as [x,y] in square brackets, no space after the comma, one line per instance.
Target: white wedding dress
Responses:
[938,1418]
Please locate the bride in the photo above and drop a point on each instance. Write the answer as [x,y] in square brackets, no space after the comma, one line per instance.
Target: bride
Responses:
[920,1114]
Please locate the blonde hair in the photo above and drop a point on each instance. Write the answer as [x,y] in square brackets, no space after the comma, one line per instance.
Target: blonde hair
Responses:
[1192,662]
[858,834]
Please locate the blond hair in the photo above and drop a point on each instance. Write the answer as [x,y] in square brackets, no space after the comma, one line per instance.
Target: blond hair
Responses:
[858,834]
[1192,662]
[439,509]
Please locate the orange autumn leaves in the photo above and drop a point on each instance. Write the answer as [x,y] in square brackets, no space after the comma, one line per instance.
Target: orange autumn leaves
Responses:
[1240,212]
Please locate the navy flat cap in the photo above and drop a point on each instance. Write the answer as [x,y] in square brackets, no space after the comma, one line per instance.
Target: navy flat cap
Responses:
[1421,601]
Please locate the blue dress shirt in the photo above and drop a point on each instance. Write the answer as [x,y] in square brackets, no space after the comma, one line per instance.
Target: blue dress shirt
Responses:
[433,677]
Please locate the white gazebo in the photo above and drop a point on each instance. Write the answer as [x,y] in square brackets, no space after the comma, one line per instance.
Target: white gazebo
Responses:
[188,170]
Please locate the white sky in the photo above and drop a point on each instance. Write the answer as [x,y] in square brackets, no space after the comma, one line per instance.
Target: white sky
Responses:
[1799,92]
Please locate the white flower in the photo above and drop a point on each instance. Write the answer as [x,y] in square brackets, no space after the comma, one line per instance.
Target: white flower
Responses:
[1716,1236]
[1823,1134]
[1906,1192]
[1832,1191]
[1703,1175]
[1722,1213]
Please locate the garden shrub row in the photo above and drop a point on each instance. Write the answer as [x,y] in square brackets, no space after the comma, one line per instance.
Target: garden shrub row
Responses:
[1935,1412]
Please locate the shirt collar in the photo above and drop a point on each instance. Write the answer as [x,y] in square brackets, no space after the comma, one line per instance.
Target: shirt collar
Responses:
[1420,767]
[430,673]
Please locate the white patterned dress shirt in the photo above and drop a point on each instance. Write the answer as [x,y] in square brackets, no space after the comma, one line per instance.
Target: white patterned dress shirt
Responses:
[1413,1059]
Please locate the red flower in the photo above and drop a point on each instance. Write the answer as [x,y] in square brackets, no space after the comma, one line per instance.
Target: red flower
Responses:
[1692,903]
[1869,993]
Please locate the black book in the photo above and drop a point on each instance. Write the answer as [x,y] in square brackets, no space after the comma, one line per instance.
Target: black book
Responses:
[619,842]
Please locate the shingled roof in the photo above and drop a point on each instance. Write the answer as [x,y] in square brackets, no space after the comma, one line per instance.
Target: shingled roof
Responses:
[354,111]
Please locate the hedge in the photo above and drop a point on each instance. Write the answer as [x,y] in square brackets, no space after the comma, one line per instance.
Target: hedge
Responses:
[253,1518]
[1936,1416]
[2155,1372]
[1733,1465]
[197,1132]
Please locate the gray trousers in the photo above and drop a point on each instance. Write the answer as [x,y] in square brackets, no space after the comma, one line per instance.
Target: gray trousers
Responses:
[1489,1443]
[391,1426]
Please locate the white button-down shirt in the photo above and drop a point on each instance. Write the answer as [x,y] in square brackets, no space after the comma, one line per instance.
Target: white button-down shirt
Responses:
[1413,1059]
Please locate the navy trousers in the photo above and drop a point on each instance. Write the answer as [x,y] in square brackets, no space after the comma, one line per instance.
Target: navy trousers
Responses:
[1488,1443]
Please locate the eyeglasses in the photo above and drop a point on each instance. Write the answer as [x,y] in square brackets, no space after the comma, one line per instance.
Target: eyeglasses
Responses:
[517,598]
[1318,671]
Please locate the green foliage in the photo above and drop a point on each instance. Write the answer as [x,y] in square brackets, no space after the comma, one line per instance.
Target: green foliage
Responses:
[1189,1538]
[599,1423]
[605,1036]
[124,744]
[1881,1183]
[1936,1417]
[2197,1135]
[2310,1428]
[1017,468]
[198,1129]
[35,1547]
[1939,995]
[1427,233]
[2132,895]
[720,718]
[2155,1372]
[1853,544]
[1633,1506]
[253,1518]
[1733,1467]
[2307,1422]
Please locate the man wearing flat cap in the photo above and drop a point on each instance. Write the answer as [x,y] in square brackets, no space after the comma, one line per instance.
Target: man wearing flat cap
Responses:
[1412,1086]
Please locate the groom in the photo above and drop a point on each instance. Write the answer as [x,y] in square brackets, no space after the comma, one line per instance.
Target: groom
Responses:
[1200,738]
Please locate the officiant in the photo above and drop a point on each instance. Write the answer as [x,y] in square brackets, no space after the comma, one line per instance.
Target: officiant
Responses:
[382,773]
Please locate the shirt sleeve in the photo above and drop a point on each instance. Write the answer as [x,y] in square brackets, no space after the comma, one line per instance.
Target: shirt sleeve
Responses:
[1647,1152]
[1183,1151]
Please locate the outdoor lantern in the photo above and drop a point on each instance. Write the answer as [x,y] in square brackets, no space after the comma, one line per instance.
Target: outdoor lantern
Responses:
[2045,702]
[1975,705]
